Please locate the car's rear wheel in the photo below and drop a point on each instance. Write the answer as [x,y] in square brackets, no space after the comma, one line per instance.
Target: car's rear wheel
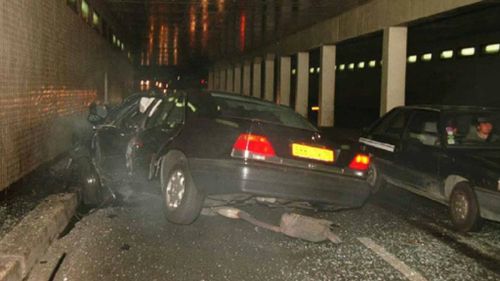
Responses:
[464,208]
[375,179]
[182,200]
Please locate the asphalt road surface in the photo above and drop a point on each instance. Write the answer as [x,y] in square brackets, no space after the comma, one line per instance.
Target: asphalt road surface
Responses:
[396,236]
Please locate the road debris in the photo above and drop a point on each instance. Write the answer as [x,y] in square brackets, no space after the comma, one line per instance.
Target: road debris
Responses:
[291,224]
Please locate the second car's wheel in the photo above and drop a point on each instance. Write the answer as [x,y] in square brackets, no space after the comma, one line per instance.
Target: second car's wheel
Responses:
[464,208]
[375,179]
[182,200]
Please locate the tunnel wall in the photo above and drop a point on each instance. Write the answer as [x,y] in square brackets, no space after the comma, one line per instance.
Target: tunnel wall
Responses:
[52,66]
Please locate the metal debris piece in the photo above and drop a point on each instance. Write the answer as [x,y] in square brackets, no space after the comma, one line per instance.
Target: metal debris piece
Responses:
[291,224]
[307,228]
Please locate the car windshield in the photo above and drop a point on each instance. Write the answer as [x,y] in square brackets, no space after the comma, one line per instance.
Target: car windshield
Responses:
[472,129]
[241,107]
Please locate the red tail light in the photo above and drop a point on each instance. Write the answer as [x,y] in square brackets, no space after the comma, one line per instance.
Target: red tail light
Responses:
[361,162]
[253,146]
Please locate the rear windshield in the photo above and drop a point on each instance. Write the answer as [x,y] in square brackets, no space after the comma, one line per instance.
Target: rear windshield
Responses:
[241,107]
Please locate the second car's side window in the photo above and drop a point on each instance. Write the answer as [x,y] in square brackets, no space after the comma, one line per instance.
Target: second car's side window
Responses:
[423,128]
[393,127]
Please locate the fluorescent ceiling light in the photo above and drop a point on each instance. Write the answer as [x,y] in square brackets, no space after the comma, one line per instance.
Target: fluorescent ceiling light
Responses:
[492,49]
[448,54]
[427,57]
[467,52]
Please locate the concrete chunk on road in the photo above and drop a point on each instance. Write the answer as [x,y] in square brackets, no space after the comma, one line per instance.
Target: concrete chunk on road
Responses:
[29,240]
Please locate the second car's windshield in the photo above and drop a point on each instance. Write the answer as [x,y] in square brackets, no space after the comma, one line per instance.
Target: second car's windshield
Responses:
[480,129]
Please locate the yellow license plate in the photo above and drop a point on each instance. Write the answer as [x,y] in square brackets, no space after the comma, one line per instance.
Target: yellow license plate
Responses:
[314,153]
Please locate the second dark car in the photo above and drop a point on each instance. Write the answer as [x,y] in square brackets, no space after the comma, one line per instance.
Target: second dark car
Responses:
[202,143]
[449,154]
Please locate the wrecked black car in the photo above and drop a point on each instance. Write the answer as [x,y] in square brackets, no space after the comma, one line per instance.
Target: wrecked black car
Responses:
[449,154]
[199,143]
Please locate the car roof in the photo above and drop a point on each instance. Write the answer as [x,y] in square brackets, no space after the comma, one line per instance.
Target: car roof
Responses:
[452,108]
[145,94]
[232,94]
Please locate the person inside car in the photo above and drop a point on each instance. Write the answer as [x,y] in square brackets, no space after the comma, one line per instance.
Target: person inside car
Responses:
[482,132]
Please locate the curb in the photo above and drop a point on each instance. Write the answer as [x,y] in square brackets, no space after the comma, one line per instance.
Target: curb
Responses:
[21,248]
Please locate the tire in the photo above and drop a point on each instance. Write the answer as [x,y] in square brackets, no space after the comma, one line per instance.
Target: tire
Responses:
[182,201]
[375,179]
[464,208]
[91,190]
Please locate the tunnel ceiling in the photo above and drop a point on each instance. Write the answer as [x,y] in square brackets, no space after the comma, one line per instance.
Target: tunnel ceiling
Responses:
[176,32]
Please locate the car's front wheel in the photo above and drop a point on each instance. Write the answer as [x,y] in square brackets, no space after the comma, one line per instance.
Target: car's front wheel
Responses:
[181,199]
[464,208]
[91,189]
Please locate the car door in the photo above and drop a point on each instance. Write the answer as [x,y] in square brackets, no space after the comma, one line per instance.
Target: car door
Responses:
[111,140]
[163,123]
[383,141]
[421,153]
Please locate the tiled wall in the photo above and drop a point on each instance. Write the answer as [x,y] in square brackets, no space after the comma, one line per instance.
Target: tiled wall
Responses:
[52,66]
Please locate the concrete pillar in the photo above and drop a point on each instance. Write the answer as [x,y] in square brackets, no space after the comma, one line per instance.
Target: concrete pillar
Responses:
[229,79]
[285,76]
[393,68]
[302,84]
[237,79]
[327,86]
[222,79]
[211,79]
[257,77]
[247,78]
[269,78]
